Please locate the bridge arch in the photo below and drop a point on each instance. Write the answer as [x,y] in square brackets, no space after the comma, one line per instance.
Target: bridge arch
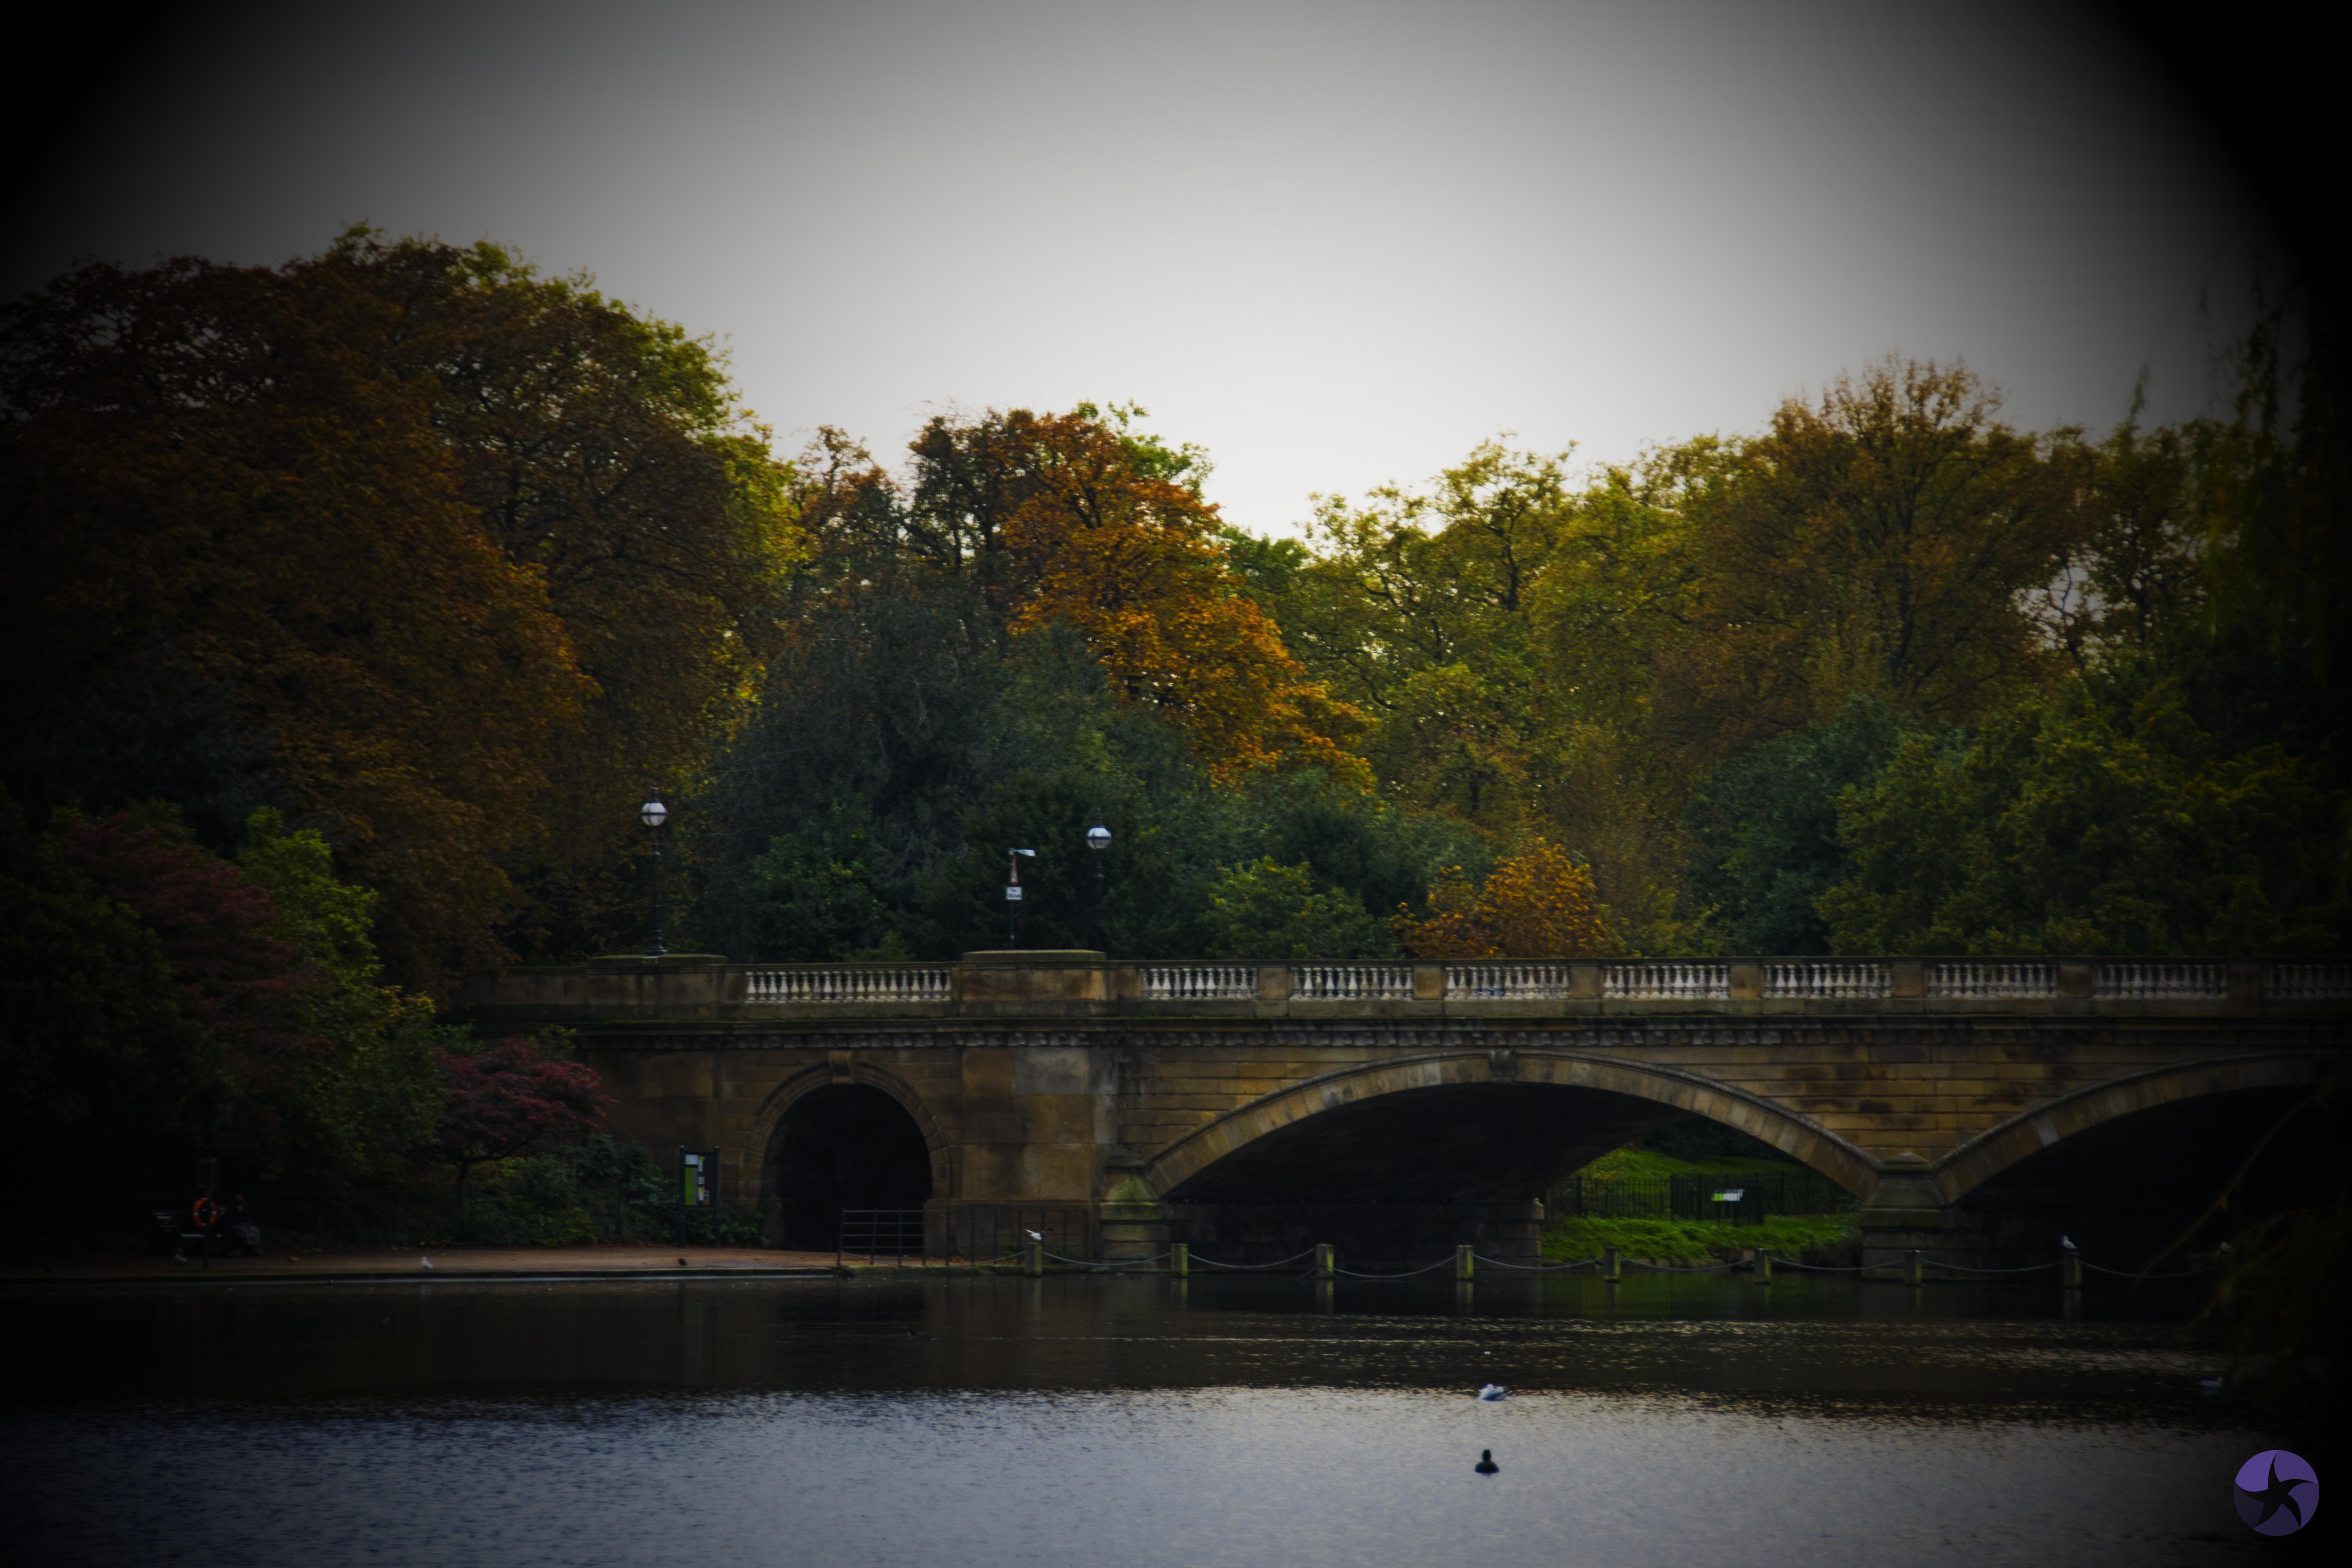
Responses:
[845,1112]
[2030,1132]
[1186,1165]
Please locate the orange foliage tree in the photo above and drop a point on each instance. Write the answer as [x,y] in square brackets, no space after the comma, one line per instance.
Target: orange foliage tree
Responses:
[1130,560]
[1535,904]
[475,555]
[193,464]
[1074,519]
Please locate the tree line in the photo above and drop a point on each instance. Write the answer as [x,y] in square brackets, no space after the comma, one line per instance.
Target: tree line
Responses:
[359,602]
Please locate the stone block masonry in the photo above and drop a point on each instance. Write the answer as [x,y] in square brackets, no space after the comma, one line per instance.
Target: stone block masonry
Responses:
[1232,1099]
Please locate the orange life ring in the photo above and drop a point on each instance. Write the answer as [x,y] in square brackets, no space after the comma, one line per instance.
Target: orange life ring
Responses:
[206,1214]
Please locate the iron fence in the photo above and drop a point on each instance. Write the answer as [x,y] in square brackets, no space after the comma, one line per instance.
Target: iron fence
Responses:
[1722,1200]
[976,1233]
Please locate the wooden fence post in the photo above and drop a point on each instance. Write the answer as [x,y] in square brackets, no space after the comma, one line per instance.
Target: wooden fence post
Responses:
[1324,1262]
[1180,1260]
[1462,1258]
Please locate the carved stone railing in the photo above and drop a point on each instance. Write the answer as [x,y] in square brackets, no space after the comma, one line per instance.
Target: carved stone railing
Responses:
[1200,982]
[2308,982]
[1992,979]
[1828,979]
[852,983]
[1351,982]
[1509,981]
[1086,983]
[2162,980]
[1666,982]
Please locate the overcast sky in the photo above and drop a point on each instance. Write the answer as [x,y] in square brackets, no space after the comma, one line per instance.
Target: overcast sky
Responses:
[1335,243]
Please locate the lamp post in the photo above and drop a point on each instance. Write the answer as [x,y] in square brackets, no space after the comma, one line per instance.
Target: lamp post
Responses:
[1098,840]
[653,813]
[1013,894]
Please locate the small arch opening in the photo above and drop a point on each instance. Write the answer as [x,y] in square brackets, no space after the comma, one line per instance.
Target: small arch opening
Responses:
[845,1146]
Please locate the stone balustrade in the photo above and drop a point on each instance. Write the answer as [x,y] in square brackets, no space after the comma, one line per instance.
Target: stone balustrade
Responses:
[1351,982]
[851,983]
[1082,984]
[1200,982]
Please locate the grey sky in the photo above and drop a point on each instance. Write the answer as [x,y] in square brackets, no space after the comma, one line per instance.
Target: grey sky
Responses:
[1334,243]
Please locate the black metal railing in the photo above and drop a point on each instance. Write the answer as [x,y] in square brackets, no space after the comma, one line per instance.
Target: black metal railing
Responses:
[977,1232]
[1722,1200]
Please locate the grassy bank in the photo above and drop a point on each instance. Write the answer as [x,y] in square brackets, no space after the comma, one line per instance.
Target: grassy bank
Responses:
[1809,1239]
[1640,1165]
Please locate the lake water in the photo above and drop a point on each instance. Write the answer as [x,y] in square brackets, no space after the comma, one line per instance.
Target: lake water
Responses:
[1114,1421]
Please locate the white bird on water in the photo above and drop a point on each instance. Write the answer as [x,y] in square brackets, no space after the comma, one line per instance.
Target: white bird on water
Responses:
[425,1263]
[1491,1392]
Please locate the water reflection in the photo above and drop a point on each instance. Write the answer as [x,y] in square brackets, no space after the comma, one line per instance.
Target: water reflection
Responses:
[1229,1420]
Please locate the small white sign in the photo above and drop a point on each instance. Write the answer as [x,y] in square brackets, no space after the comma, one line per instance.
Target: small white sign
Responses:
[1730,1195]
[1013,893]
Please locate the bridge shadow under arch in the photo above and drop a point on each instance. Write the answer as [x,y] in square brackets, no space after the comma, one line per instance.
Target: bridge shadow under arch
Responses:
[835,1146]
[2133,1168]
[1395,1162]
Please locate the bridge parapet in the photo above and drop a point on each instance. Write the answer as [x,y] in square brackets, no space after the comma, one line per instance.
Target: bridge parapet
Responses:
[1076,985]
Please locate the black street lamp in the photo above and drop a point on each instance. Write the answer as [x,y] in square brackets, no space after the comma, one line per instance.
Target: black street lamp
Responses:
[1098,840]
[653,813]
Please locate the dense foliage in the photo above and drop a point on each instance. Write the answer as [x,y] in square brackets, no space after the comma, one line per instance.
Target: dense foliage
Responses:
[356,602]
[1889,677]
[441,556]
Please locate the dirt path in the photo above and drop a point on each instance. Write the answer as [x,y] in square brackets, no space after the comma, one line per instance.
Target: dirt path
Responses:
[451,1263]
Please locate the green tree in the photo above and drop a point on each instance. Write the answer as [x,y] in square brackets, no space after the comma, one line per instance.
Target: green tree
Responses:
[371,1098]
[1265,910]
[1765,829]
[2102,822]
[1416,608]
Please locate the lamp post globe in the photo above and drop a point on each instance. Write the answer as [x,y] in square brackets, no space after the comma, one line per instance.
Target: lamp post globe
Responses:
[653,813]
[1098,840]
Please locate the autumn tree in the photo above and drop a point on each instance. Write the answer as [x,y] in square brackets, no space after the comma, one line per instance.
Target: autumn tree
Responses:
[194,466]
[236,979]
[1877,541]
[1537,903]
[512,1097]
[605,452]
[1076,519]
[322,1069]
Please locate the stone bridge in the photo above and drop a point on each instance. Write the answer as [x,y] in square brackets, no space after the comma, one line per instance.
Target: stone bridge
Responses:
[1393,1109]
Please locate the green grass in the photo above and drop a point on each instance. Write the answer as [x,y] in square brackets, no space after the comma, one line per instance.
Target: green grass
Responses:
[1808,1237]
[1645,1165]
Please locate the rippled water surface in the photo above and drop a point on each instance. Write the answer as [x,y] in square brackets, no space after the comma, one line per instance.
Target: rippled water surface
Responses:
[1111,1422]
